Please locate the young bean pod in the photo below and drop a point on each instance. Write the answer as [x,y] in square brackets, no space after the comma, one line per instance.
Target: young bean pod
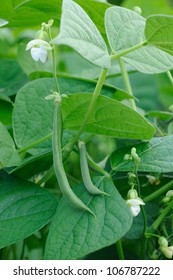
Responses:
[58,165]
[85,172]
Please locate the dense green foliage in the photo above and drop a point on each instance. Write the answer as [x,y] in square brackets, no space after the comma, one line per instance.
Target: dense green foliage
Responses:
[104,78]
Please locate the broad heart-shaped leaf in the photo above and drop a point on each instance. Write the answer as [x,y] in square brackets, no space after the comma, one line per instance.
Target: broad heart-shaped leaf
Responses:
[109,117]
[158,32]
[156,156]
[124,28]
[8,154]
[150,60]
[74,233]
[32,114]
[24,208]
[79,32]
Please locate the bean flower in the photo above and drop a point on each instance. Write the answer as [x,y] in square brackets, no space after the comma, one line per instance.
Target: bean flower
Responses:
[39,49]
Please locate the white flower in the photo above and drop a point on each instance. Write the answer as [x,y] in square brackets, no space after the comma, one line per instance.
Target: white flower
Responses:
[134,205]
[167,251]
[39,49]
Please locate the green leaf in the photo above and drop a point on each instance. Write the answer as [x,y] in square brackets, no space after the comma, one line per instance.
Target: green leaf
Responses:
[31,13]
[165,116]
[32,114]
[79,32]
[158,32]
[74,85]
[127,31]
[156,156]
[150,7]
[124,28]
[95,11]
[12,77]
[109,117]
[24,209]
[149,60]
[113,219]
[8,153]
[5,111]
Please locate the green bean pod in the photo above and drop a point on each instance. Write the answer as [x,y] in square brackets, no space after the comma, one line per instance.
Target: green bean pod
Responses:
[91,188]
[58,165]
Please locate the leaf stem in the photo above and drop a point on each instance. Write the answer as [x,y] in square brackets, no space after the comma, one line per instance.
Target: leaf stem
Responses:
[157,193]
[134,48]
[95,95]
[127,82]
[143,239]
[161,217]
[170,77]
[22,150]
[120,250]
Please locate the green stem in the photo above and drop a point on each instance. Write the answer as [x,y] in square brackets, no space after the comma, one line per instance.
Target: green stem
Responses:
[127,82]
[157,193]
[120,250]
[143,239]
[134,48]
[161,217]
[35,143]
[95,95]
[170,77]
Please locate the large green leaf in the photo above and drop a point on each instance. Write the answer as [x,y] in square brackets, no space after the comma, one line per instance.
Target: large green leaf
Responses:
[32,115]
[30,13]
[109,117]
[150,60]
[82,233]
[8,154]
[24,209]
[79,32]
[158,32]
[156,156]
[124,28]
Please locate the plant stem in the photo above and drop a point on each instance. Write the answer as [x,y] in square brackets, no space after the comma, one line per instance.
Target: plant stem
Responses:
[134,48]
[127,82]
[159,220]
[22,150]
[157,193]
[143,239]
[120,250]
[95,95]
[170,77]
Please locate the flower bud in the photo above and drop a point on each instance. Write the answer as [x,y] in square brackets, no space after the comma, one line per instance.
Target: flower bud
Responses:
[163,242]
[41,35]
[169,194]
[132,194]
[138,10]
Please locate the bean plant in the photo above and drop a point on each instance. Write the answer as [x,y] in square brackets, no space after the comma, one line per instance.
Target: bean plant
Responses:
[86,131]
